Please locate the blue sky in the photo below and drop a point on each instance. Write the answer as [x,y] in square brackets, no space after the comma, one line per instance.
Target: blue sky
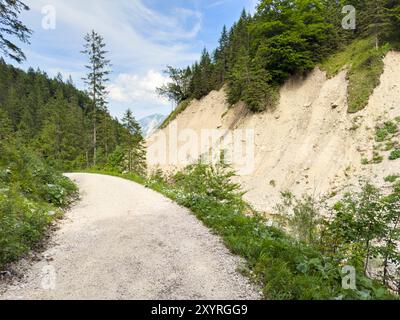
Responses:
[142,36]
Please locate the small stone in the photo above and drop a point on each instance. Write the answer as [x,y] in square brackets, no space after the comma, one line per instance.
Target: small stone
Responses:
[51,213]
[5,274]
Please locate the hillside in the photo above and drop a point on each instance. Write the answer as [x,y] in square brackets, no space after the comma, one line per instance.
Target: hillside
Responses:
[309,143]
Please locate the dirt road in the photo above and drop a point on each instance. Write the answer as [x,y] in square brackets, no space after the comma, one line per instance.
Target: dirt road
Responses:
[123,241]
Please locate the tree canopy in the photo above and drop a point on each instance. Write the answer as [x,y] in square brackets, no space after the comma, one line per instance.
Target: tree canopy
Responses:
[283,38]
[11,27]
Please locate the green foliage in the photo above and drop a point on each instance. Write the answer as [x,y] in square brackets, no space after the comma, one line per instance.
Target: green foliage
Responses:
[394,155]
[392,178]
[135,145]
[22,223]
[303,217]
[366,227]
[290,36]
[287,268]
[178,89]
[12,28]
[381,20]
[30,194]
[96,79]
[377,158]
[387,134]
[251,84]
[365,64]
[53,117]
[386,131]
[284,38]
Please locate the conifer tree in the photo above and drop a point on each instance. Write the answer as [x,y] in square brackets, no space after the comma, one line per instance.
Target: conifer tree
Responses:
[135,144]
[221,55]
[12,28]
[5,125]
[379,22]
[177,90]
[96,79]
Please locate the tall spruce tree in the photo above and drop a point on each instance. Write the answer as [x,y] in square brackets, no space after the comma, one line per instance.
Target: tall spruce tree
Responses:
[96,79]
[379,20]
[221,55]
[11,27]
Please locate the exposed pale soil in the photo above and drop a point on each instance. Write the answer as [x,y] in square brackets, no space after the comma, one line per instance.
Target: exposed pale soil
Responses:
[309,144]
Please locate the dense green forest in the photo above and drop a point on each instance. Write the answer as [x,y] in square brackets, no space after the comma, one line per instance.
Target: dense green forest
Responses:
[55,119]
[283,38]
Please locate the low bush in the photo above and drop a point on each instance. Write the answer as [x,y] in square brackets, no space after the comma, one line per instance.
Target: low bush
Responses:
[31,193]
[394,155]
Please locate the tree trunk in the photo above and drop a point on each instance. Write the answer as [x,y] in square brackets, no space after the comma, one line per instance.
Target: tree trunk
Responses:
[94,124]
[367,258]
[94,141]
[87,159]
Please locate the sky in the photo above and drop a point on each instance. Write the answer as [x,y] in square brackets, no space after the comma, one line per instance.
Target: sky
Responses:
[142,37]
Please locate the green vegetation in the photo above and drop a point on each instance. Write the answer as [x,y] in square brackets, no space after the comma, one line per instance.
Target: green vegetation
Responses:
[12,28]
[45,127]
[31,194]
[285,38]
[365,67]
[386,135]
[48,126]
[394,155]
[305,265]
[392,178]
[386,131]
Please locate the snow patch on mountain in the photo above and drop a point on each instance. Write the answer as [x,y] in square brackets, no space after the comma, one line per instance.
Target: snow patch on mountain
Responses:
[151,123]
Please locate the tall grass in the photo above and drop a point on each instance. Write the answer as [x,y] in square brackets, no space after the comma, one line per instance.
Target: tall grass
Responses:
[365,67]
[31,193]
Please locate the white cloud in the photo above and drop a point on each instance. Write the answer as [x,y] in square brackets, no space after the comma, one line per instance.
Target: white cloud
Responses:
[135,89]
[134,33]
[216,4]
[141,41]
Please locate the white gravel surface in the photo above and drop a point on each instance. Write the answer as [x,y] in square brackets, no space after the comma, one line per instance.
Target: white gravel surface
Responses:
[123,241]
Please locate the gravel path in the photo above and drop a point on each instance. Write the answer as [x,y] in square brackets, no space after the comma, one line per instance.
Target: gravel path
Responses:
[123,241]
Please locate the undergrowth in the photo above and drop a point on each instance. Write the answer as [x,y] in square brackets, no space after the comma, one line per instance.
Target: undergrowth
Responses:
[31,195]
[287,267]
[365,67]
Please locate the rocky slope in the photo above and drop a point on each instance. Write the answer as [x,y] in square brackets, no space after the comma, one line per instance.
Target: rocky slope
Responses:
[308,145]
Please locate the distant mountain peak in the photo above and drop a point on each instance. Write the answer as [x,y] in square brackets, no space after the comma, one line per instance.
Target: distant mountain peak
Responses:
[151,123]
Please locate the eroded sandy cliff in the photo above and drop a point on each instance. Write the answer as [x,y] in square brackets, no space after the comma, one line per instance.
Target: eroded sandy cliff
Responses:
[309,144]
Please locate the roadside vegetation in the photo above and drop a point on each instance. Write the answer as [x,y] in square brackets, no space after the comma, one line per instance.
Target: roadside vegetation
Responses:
[32,195]
[302,256]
